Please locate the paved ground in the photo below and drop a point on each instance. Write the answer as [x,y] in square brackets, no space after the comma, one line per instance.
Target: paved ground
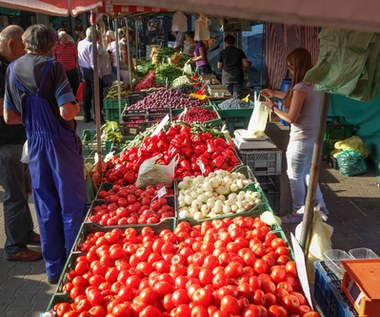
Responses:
[353,202]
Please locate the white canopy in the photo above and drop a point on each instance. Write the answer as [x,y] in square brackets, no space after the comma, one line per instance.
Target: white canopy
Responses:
[348,14]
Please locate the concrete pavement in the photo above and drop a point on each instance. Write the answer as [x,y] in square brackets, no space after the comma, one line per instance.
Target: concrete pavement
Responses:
[353,202]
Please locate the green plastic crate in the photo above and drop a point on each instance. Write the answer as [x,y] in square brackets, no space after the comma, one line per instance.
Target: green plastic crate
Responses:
[337,128]
[109,104]
[89,144]
[58,298]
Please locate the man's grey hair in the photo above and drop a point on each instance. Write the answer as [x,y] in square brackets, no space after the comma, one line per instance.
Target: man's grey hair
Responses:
[40,38]
[10,32]
[61,33]
[89,32]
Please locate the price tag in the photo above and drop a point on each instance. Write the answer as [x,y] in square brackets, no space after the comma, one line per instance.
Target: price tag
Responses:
[161,125]
[161,192]
[202,167]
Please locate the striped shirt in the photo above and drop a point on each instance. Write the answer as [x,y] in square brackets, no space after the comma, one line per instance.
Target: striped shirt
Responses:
[66,54]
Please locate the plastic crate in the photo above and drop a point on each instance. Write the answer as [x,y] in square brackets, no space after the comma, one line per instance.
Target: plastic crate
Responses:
[337,128]
[263,162]
[274,202]
[89,143]
[133,123]
[69,265]
[328,295]
[111,104]
[235,119]
[135,97]
[333,258]
[362,253]
[271,184]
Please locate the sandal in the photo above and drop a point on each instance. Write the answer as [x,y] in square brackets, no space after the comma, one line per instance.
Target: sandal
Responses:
[292,218]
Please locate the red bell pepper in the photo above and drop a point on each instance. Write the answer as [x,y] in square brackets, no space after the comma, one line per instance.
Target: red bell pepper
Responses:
[218,161]
[162,146]
[187,151]
[184,164]
[199,149]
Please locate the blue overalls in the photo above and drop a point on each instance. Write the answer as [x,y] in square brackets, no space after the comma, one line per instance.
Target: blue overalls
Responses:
[56,168]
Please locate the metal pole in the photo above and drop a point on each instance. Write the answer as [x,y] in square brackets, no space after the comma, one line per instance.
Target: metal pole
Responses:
[129,53]
[117,66]
[96,96]
[314,175]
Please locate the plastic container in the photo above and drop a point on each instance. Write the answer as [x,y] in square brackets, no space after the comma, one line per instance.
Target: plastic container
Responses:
[337,128]
[362,253]
[263,162]
[333,258]
[329,297]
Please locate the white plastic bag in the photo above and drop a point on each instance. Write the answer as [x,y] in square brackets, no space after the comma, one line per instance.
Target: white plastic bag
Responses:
[151,173]
[179,22]
[202,29]
[187,69]
[259,119]
[320,240]
[25,153]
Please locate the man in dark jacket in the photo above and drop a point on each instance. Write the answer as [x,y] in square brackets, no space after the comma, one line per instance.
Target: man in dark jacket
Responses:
[233,62]
[14,175]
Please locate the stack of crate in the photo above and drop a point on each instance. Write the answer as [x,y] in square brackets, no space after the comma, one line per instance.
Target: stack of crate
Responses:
[266,166]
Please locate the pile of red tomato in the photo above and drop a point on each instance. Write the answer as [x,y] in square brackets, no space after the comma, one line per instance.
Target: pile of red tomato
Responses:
[195,151]
[220,268]
[131,205]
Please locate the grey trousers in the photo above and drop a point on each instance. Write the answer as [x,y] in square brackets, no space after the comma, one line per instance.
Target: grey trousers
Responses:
[15,179]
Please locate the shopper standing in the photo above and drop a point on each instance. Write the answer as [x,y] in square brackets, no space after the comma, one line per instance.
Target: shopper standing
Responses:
[199,56]
[14,175]
[233,62]
[303,104]
[39,95]
[66,53]
[86,66]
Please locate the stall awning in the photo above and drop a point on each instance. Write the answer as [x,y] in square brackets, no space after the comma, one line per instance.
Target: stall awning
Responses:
[52,7]
[353,14]
[6,11]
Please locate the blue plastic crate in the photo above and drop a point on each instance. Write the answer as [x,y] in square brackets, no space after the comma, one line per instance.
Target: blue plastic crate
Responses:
[328,295]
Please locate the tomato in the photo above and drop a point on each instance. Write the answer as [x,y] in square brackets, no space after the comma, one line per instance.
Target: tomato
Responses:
[259,297]
[234,269]
[183,310]
[291,303]
[62,308]
[83,305]
[201,297]
[162,288]
[148,295]
[97,311]
[81,267]
[179,297]
[300,297]
[311,314]
[230,305]
[277,311]
[122,309]
[303,309]
[291,268]
[260,266]
[220,279]
[149,311]
[278,273]
[252,311]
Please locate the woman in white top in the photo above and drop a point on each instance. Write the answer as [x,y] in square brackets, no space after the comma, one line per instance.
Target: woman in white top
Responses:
[303,104]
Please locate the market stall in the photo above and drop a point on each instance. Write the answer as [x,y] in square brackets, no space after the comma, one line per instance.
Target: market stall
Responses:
[111,251]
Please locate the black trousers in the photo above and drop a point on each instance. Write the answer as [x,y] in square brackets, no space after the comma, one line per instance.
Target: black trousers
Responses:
[88,100]
[73,77]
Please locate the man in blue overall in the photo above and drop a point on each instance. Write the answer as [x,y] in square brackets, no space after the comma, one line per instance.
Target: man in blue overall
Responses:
[14,175]
[39,95]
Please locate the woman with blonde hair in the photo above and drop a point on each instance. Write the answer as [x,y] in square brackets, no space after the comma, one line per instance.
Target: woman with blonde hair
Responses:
[303,104]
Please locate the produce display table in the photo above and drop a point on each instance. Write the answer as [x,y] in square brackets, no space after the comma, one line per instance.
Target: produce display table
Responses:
[209,245]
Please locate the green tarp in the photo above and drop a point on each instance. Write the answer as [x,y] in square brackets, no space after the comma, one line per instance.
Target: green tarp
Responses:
[365,116]
[348,64]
